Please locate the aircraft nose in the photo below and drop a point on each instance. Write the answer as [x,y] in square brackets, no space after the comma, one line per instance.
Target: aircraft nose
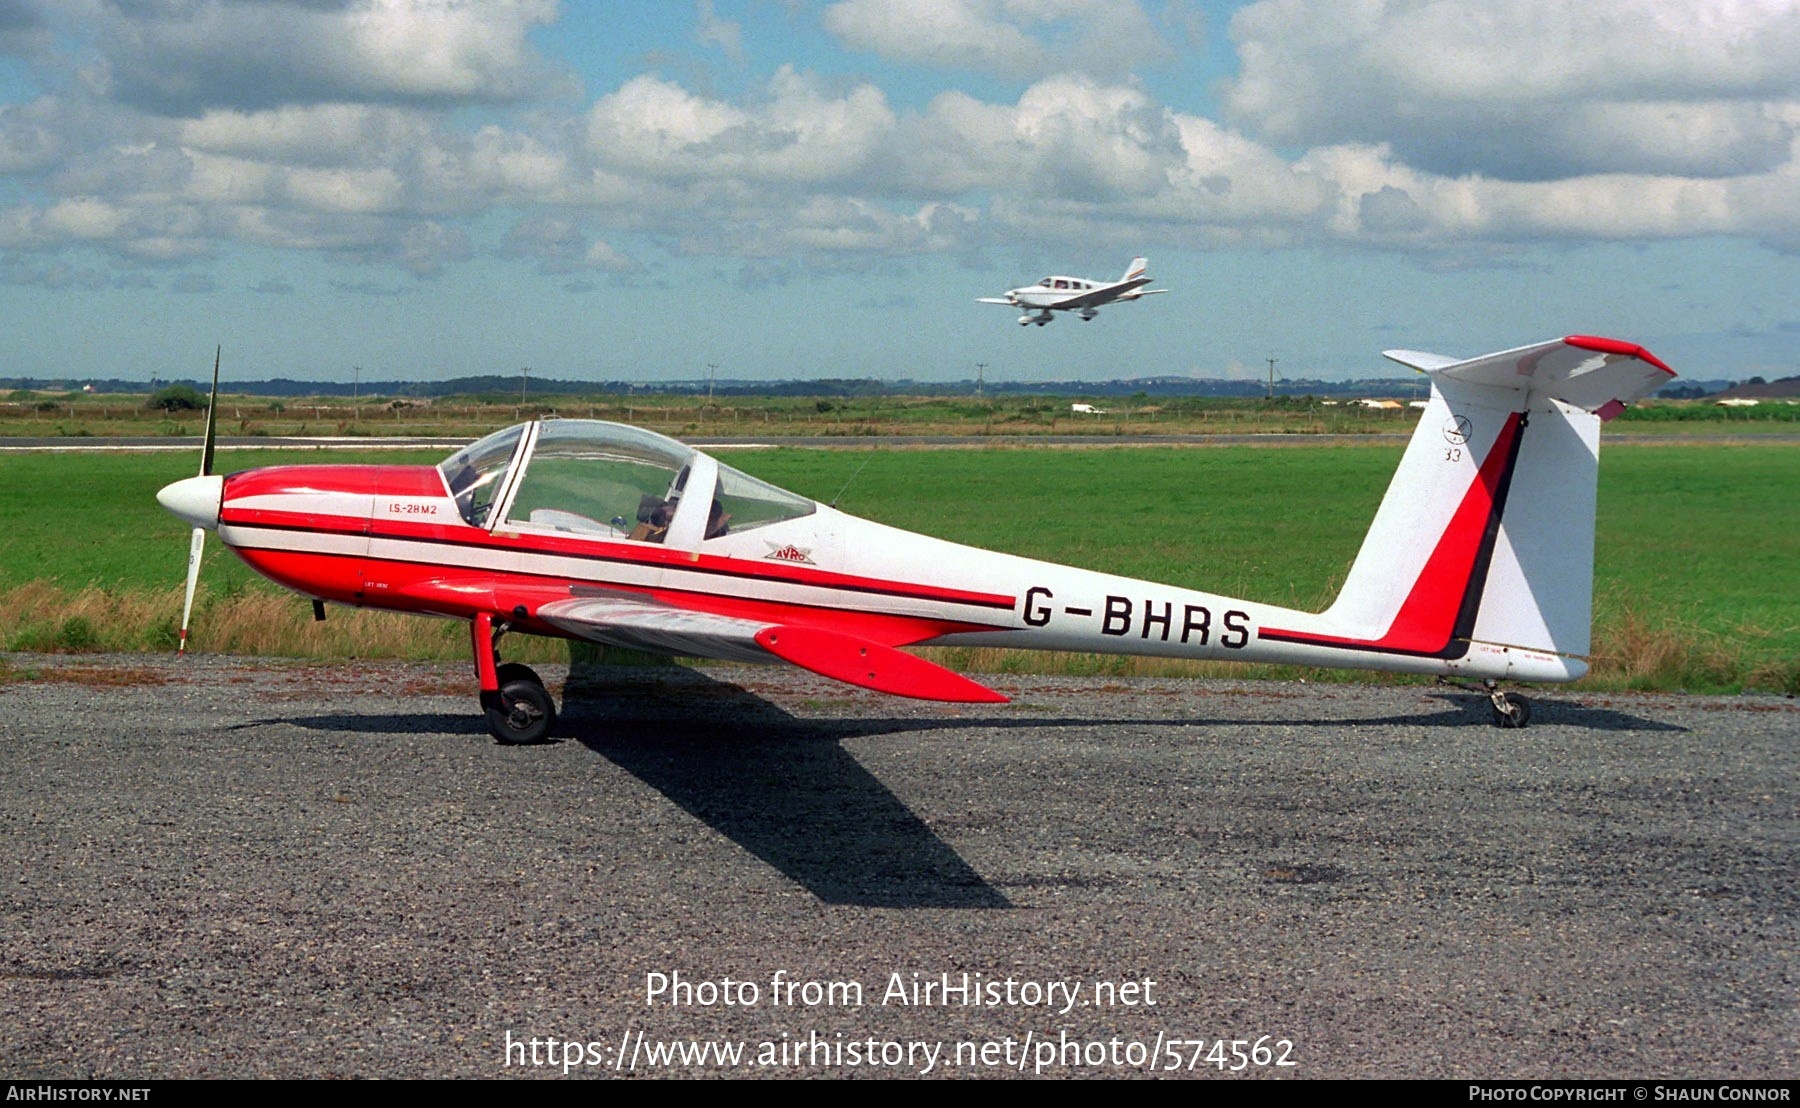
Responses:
[195,500]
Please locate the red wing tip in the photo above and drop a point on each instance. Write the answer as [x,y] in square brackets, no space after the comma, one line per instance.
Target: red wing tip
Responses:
[872,665]
[1616,346]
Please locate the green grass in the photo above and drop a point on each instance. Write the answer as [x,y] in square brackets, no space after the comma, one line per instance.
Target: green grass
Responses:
[1696,544]
[1276,525]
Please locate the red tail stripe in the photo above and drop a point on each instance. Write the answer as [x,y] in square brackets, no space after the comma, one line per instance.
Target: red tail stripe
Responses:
[1426,620]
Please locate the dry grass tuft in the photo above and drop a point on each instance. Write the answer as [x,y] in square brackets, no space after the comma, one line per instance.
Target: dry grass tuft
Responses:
[45,619]
[1630,650]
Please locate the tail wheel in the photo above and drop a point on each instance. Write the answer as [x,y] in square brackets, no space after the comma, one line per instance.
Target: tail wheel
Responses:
[1511,712]
[522,711]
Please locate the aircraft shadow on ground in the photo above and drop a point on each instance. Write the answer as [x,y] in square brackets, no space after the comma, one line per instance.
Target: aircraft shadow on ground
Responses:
[1462,710]
[1469,709]
[781,787]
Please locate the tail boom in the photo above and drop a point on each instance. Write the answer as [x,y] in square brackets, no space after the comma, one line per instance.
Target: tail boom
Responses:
[1479,562]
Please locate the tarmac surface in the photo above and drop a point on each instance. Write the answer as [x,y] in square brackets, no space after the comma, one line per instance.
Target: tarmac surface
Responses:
[233,868]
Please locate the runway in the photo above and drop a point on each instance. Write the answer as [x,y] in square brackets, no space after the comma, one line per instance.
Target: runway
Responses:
[233,868]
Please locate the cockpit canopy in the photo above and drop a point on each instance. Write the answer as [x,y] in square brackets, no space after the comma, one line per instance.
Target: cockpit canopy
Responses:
[609,480]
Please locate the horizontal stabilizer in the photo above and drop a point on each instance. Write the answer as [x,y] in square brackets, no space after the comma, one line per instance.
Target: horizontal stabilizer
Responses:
[872,666]
[1418,359]
[1594,374]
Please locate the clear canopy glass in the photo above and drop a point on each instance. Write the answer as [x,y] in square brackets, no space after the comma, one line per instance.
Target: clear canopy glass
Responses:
[609,480]
[474,473]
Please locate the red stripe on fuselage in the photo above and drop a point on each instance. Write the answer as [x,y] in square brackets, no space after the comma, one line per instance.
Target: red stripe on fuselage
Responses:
[368,480]
[612,554]
[1426,621]
[324,576]
[461,593]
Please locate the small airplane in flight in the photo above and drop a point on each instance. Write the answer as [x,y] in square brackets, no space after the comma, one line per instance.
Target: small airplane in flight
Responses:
[1478,565]
[1075,294]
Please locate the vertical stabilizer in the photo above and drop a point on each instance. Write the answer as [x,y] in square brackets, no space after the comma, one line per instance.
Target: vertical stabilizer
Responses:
[1486,534]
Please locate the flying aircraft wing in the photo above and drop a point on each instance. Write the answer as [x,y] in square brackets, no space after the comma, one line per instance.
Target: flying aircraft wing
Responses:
[1094,298]
[1007,300]
[659,629]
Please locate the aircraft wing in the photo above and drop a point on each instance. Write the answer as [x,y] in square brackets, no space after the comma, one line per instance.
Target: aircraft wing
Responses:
[1096,297]
[1008,301]
[657,628]
[660,629]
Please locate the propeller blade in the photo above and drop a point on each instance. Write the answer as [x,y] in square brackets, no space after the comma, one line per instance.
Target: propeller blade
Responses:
[196,547]
[212,422]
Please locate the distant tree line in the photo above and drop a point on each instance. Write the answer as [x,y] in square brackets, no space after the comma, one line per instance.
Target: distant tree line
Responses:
[499,389]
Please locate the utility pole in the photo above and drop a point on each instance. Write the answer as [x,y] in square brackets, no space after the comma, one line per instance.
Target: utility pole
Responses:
[712,374]
[980,372]
[1271,376]
[524,379]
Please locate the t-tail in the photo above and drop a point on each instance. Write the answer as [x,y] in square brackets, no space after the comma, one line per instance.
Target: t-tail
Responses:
[1481,556]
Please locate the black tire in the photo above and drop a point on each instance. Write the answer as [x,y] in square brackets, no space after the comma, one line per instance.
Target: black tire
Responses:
[1515,715]
[521,712]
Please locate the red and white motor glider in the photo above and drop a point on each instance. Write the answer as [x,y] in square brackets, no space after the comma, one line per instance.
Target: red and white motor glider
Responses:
[1478,565]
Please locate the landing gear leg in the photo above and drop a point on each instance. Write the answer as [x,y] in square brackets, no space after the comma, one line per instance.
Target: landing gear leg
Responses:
[513,698]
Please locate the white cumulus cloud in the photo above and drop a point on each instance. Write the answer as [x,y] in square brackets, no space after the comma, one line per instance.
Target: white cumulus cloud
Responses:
[1015,38]
[183,58]
[1526,89]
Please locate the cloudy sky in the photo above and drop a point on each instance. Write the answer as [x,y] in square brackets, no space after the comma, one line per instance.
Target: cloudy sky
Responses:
[434,188]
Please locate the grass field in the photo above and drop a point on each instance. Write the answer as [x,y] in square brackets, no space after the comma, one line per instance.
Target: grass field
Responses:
[31,414]
[1697,579]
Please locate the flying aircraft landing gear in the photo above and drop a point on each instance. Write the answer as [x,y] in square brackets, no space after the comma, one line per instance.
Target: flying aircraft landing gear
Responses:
[1510,710]
[519,709]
